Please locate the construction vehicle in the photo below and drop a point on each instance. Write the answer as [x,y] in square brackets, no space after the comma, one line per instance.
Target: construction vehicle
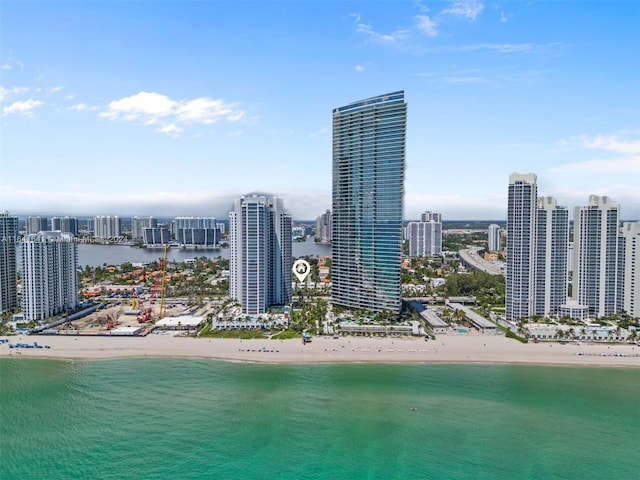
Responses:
[157,290]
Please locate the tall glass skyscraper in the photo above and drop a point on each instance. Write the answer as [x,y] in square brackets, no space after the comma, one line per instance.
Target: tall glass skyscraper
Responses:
[8,271]
[369,139]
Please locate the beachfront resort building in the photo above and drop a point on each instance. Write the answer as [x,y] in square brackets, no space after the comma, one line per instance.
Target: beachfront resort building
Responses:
[595,255]
[604,280]
[552,247]
[629,273]
[369,139]
[537,251]
[260,260]
[49,274]
[425,236]
[521,235]
[8,271]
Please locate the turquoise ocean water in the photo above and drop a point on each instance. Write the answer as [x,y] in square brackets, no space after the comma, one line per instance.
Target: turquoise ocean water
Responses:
[186,419]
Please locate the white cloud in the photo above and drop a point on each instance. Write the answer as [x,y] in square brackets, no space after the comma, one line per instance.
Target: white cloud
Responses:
[80,107]
[628,164]
[359,68]
[610,143]
[207,111]
[303,204]
[6,66]
[14,91]
[421,7]
[464,8]
[626,152]
[55,89]
[21,65]
[152,108]
[427,25]
[22,107]
[498,47]
[503,18]
[394,37]
[466,79]
[171,129]
[144,105]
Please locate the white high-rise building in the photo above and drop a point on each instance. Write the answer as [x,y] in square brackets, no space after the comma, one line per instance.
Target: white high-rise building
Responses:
[182,227]
[260,258]
[425,237]
[138,224]
[323,227]
[8,271]
[521,248]
[493,239]
[595,255]
[629,275]
[552,247]
[49,274]
[107,227]
[36,224]
[64,225]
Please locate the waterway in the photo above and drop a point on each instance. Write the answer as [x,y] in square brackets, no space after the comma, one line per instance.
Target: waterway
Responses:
[96,255]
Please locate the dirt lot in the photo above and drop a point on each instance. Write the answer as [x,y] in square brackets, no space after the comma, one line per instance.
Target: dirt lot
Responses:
[114,316]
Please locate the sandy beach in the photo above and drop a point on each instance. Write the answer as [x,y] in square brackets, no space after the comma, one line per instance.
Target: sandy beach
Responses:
[446,349]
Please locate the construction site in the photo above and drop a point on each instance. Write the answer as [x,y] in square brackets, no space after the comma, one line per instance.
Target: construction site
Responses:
[133,311]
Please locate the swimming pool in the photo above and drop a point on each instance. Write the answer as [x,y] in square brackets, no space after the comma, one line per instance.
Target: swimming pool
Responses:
[462,330]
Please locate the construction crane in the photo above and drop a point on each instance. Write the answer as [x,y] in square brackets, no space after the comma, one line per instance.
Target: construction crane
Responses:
[158,287]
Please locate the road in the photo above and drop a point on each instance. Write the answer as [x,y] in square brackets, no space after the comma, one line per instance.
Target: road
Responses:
[470,257]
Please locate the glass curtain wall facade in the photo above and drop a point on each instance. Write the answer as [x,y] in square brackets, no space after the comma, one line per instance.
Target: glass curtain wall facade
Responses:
[369,139]
[8,271]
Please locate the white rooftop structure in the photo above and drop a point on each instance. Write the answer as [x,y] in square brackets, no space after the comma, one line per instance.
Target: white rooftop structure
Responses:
[126,331]
[184,321]
[478,320]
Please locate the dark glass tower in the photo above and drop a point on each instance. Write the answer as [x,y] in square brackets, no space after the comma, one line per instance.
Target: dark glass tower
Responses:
[369,139]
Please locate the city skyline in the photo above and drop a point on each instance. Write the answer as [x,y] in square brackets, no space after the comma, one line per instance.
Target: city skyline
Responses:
[131,110]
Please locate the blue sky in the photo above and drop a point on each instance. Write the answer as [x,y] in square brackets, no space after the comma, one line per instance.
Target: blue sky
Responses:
[175,108]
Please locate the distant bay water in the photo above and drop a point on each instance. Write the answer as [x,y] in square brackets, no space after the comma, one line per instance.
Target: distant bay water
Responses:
[97,255]
[201,419]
